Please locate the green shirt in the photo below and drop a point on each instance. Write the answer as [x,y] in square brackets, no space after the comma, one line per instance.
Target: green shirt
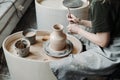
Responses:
[105,17]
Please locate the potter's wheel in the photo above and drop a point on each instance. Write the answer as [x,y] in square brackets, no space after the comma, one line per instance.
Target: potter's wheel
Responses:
[37,51]
[62,53]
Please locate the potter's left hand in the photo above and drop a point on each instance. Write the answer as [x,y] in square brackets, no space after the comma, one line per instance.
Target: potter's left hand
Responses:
[73,28]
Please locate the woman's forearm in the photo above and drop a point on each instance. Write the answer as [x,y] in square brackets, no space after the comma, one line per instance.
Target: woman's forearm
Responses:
[86,23]
[101,39]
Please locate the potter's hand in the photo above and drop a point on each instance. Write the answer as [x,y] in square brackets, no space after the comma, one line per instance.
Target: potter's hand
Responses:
[73,28]
[72,19]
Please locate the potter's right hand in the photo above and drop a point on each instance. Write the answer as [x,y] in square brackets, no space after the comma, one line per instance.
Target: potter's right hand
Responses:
[73,28]
[72,19]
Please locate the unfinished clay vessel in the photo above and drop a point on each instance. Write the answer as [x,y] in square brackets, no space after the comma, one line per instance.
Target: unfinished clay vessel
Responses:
[57,38]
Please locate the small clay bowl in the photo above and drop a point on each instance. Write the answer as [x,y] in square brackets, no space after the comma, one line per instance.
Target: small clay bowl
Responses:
[30,34]
[22,47]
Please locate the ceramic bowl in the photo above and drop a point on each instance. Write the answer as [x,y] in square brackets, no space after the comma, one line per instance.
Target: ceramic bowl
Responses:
[22,47]
[30,34]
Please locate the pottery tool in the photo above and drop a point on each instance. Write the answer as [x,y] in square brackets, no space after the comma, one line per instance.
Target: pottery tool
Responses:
[69,16]
[69,13]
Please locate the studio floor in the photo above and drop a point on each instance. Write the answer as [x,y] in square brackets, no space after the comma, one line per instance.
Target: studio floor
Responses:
[27,21]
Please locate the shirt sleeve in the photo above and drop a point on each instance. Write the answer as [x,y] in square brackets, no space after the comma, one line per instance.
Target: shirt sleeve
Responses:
[99,17]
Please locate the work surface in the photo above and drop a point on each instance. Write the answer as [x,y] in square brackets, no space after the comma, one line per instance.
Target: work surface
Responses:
[37,51]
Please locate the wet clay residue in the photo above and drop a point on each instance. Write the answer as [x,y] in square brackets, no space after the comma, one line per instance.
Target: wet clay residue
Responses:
[45,38]
[21,44]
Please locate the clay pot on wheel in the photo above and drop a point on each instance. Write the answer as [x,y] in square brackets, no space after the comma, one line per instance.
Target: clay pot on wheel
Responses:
[57,38]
